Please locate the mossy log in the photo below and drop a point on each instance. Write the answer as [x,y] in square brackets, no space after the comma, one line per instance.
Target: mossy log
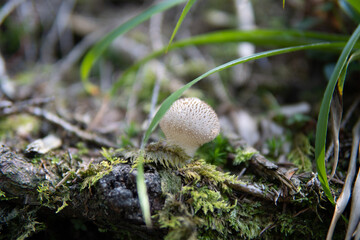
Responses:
[111,204]
[196,201]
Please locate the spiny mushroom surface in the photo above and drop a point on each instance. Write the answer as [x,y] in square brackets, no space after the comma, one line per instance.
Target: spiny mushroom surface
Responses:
[190,123]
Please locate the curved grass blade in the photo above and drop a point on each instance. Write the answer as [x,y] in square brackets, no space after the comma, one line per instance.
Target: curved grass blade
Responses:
[353,57]
[350,10]
[174,96]
[181,19]
[260,37]
[101,46]
[355,4]
[321,128]
[142,192]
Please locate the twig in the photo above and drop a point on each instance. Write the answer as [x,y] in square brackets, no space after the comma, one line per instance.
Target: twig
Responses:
[8,107]
[254,190]
[28,106]
[50,117]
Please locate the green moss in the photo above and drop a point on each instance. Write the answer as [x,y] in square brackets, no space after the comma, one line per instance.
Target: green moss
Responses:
[216,152]
[201,171]
[19,124]
[20,223]
[301,153]
[207,208]
[160,154]
[243,155]
[170,182]
[206,200]
[44,193]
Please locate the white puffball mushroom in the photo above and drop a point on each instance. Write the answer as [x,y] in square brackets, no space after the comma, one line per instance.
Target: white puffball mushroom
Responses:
[190,123]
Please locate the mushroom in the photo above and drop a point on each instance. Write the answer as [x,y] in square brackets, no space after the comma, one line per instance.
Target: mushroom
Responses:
[190,123]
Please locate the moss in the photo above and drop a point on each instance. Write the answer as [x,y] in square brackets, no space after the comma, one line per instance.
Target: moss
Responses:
[207,208]
[160,154]
[170,182]
[243,155]
[301,153]
[20,223]
[21,124]
[44,193]
[97,171]
[216,152]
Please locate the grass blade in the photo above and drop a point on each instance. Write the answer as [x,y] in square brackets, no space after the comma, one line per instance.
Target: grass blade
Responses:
[260,37]
[174,96]
[350,10]
[181,19]
[95,52]
[321,128]
[353,57]
[142,192]
[355,4]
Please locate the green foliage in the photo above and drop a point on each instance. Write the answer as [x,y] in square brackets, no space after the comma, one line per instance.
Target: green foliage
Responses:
[355,4]
[206,200]
[44,193]
[3,195]
[132,130]
[200,170]
[18,123]
[260,37]
[142,192]
[243,155]
[101,46]
[170,182]
[274,145]
[351,8]
[110,155]
[176,217]
[176,95]
[20,223]
[181,19]
[168,156]
[65,199]
[216,151]
[322,123]
[301,153]
[97,171]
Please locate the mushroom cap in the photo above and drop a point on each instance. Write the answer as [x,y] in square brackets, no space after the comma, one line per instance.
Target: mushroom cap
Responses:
[189,123]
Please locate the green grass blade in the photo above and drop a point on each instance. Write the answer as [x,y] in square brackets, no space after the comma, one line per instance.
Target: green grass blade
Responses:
[181,19]
[95,52]
[142,193]
[353,57]
[260,37]
[321,128]
[174,96]
[355,4]
[350,10]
